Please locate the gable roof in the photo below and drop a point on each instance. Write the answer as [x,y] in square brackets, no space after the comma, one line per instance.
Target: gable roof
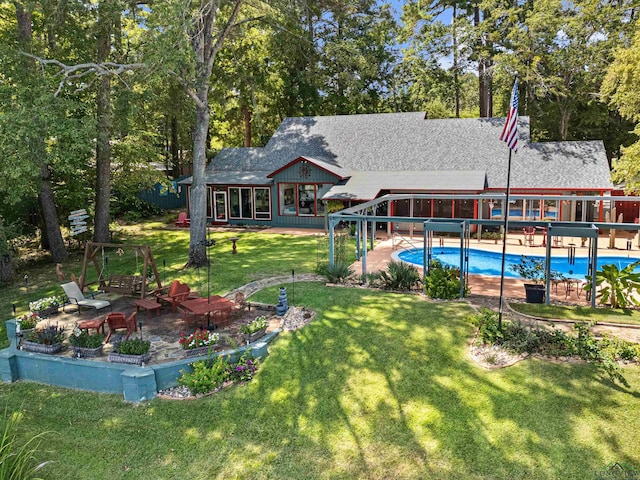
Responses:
[409,142]
[334,170]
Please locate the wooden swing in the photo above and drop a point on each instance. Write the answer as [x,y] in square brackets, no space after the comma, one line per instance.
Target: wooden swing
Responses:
[123,284]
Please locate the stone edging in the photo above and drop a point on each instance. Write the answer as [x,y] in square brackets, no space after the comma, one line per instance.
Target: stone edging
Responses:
[252,287]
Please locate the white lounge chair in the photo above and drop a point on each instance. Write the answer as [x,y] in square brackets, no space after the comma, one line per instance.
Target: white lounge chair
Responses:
[76,297]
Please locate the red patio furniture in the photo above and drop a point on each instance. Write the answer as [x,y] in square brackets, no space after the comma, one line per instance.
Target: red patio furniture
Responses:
[182,220]
[177,293]
[118,320]
[149,305]
[95,323]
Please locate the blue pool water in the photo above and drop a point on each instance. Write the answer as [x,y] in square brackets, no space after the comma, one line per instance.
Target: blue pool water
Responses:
[489,263]
[517,212]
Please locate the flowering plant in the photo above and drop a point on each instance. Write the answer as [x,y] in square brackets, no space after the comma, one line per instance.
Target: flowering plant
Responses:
[199,338]
[49,335]
[44,303]
[258,324]
[28,321]
[82,338]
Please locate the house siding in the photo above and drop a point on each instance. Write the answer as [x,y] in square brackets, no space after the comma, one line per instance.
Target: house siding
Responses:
[293,175]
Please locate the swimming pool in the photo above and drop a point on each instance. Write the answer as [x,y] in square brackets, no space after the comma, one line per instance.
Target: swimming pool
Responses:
[484,262]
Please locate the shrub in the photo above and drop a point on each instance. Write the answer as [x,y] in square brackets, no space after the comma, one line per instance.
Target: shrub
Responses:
[399,276]
[617,286]
[520,338]
[336,273]
[442,282]
[245,368]
[488,331]
[206,376]
[131,207]
[133,346]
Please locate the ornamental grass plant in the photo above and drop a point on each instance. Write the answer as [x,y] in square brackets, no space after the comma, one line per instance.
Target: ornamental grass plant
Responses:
[18,458]
[48,335]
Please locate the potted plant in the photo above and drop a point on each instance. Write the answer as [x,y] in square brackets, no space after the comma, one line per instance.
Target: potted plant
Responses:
[254,329]
[44,340]
[533,269]
[198,343]
[84,344]
[27,322]
[134,351]
[45,307]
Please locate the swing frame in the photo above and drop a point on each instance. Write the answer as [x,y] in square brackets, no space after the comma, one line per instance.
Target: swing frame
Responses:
[125,284]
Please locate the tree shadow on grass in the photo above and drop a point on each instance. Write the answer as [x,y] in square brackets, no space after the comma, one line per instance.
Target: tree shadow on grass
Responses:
[377,386]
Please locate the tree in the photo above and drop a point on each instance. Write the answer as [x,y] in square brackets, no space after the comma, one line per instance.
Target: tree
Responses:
[621,87]
[36,128]
[186,42]
[560,51]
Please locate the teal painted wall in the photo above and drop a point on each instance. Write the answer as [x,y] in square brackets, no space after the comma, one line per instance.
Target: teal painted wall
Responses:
[137,384]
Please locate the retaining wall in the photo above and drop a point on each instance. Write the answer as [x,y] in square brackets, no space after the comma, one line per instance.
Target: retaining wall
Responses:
[136,383]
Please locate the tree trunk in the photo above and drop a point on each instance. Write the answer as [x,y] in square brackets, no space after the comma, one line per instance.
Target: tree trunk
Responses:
[198,197]
[175,158]
[565,115]
[51,231]
[50,218]
[485,98]
[103,161]
[103,136]
[456,76]
[246,115]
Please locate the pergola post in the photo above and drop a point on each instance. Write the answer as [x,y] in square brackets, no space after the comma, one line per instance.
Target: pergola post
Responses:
[331,240]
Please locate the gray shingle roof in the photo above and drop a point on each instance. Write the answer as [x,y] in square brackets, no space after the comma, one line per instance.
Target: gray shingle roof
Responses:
[408,142]
[367,185]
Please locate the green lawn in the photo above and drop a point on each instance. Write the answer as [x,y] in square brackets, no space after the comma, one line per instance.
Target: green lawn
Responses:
[587,314]
[378,386]
[259,255]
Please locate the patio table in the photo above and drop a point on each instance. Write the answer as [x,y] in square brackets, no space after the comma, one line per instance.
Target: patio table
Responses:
[215,307]
[149,305]
[97,323]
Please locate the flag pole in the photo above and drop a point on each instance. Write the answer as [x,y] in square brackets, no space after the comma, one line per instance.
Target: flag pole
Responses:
[504,241]
[510,136]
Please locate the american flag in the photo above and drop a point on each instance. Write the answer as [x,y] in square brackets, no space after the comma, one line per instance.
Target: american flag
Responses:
[510,131]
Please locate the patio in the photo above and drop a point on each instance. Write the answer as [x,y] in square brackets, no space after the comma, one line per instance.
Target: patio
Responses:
[163,328]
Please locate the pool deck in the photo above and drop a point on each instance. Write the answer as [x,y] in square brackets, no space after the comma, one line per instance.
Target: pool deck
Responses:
[380,256]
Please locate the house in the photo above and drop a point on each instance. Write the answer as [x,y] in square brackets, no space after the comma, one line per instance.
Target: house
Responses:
[312,163]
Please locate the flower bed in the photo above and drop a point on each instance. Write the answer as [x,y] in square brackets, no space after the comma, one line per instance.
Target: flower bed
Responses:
[134,351]
[46,307]
[35,347]
[84,344]
[49,335]
[27,322]
[198,343]
[254,329]
[116,357]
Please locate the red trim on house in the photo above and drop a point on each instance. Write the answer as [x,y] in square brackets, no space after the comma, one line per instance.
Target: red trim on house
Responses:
[304,159]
